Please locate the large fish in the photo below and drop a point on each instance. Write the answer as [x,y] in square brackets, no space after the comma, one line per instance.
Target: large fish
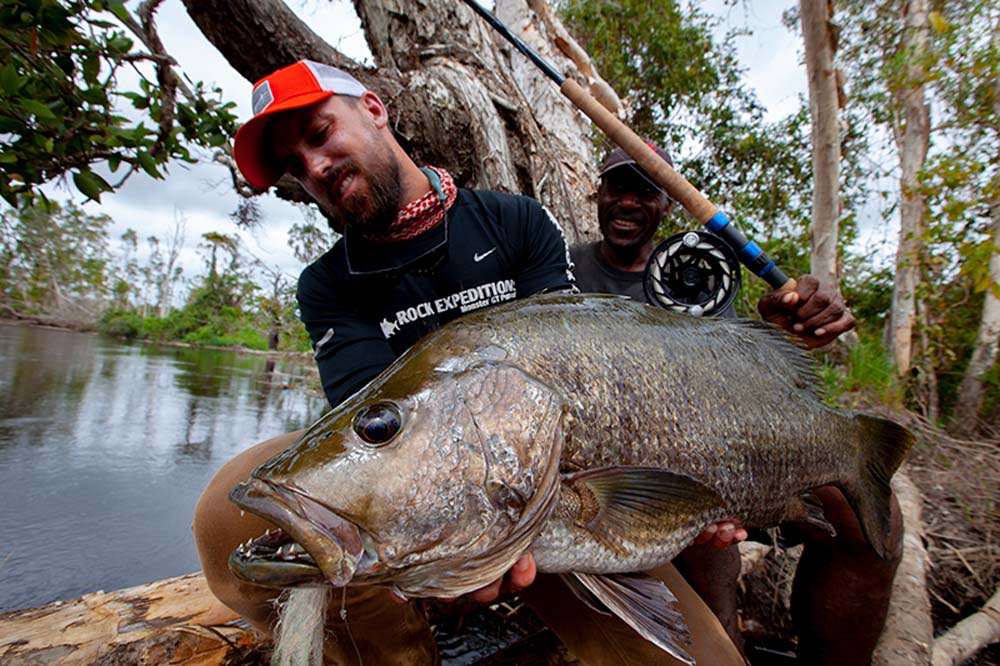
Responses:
[598,433]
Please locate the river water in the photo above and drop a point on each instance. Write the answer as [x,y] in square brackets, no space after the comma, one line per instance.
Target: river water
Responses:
[105,447]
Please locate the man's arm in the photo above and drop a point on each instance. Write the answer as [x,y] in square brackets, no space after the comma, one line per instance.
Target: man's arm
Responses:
[543,253]
[814,312]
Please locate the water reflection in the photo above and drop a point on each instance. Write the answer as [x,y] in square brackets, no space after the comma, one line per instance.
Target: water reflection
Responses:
[105,447]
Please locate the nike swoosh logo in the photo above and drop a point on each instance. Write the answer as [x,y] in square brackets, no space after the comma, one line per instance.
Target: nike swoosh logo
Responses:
[479,257]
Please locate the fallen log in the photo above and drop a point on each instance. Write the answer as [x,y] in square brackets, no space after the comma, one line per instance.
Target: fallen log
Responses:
[908,634]
[173,621]
[969,636]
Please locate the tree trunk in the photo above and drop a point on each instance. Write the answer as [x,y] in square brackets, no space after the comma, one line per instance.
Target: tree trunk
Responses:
[926,372]
[912,139]
[448,86]
[175,621]
[970,392]
[165,287]
[984,354]
[820,38]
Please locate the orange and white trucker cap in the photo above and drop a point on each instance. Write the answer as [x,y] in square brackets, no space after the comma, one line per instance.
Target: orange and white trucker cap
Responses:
[293,87]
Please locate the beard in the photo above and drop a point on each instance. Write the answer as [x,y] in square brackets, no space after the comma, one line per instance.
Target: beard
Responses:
[373,212]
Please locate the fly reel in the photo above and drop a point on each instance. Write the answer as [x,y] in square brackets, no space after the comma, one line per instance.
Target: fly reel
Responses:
[693,272]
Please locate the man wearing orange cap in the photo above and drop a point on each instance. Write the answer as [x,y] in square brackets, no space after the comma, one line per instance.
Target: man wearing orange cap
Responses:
[416,252]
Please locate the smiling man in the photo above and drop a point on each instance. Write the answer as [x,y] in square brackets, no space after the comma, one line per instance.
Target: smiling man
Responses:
[841,591]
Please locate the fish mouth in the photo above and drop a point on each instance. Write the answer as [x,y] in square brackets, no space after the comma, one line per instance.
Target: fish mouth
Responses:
[313,545]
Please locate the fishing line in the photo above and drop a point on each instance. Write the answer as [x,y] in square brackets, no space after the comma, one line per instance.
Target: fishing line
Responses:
[343,616]
[687,195]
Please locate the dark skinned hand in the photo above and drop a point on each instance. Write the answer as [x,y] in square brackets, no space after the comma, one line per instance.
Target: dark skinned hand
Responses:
[813,312]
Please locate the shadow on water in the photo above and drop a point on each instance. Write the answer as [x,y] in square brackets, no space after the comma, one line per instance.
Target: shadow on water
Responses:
[105,447]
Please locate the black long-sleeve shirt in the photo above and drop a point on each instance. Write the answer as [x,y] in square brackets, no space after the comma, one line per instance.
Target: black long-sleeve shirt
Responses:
[499,247]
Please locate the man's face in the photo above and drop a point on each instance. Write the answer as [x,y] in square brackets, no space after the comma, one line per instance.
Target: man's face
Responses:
[629,208]
[335,150]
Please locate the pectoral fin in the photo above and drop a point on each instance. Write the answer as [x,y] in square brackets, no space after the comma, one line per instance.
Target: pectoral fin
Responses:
[638,505]
[643,603]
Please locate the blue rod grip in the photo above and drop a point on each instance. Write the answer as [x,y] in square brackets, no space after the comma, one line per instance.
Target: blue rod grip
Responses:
[749,252]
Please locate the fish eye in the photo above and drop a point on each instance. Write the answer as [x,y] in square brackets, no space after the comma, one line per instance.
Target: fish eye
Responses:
[377,424]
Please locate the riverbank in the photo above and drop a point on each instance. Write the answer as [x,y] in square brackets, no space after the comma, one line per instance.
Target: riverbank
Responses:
[84,327]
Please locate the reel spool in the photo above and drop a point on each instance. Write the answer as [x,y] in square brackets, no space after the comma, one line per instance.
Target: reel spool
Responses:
[693,272]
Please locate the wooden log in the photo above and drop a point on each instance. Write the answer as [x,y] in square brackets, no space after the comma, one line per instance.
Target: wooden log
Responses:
[969,636]
[172,621]
[908,634]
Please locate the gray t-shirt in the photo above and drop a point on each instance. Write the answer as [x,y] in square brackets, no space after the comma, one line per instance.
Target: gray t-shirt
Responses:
[594,275]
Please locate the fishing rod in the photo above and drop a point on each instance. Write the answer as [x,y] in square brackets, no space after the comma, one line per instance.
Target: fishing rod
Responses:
[686,194]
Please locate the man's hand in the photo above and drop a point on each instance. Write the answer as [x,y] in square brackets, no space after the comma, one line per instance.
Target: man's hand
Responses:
[520,576]
[814,312]
[721,535]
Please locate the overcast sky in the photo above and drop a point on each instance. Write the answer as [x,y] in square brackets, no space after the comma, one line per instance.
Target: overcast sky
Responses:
[201,194]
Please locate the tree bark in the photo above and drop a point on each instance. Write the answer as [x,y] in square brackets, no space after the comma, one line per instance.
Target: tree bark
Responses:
[162,622]
[912,139]
[448,84]
[820,39]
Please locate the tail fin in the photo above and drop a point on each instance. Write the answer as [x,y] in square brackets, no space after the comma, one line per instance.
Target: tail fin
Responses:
[881,451]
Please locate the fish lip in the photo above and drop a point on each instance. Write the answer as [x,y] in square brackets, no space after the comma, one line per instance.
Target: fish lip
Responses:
[308,522]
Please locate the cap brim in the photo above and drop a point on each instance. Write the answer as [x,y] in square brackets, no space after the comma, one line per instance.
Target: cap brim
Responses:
[248,144]
[612,167]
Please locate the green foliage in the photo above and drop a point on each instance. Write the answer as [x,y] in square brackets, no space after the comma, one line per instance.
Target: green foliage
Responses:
[952,335]
[121,323]
[868,291]
[61,100]
[867,377]
[660,56]
[243,337]
[155,328]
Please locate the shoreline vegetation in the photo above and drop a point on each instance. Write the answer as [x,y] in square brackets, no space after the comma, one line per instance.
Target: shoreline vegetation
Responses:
[84,327]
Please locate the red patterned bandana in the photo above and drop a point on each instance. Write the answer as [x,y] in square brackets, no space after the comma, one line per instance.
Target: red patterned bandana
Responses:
[420,214]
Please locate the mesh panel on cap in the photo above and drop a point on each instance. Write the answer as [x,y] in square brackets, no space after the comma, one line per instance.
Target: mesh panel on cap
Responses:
[333,79]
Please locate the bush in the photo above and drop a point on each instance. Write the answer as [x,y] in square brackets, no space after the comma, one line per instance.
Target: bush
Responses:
[154,328]
[121,323]
[868,373]
[245,337]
